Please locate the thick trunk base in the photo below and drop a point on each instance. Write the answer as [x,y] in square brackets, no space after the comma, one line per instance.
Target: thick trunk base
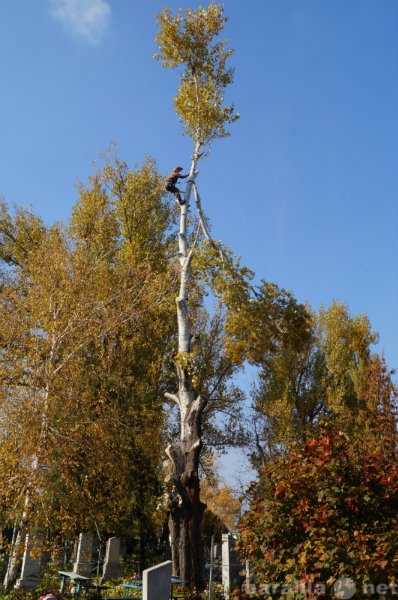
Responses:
[185,524]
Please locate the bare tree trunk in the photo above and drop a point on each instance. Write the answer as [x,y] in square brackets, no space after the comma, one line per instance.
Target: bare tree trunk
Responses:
[186,508]
[17,549]
[22,524]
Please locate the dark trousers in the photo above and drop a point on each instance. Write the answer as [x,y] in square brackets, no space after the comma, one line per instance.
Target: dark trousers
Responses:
[174,190]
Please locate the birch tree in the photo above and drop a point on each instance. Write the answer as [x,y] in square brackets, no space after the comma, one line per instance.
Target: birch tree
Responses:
[79,373]
[189,42]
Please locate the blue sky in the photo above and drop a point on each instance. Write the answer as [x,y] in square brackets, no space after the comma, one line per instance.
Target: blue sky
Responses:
[305,189]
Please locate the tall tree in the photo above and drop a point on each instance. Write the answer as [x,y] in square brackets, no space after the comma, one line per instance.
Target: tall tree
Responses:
[317,372]
[328,508]
[190,41]
[79,380]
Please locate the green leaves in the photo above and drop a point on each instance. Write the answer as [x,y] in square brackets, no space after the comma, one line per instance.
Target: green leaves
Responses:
[312,367]
[189,40]
[346,341]
[123,213]
[267,323]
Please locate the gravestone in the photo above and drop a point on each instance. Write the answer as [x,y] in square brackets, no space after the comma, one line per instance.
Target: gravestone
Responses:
[217,551]
[31,563]
[216,561]
[156,582]
[112,569]
[231,566]
[82,564]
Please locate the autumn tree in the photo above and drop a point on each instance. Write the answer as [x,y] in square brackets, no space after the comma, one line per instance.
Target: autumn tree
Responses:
[317,372]
[328,508]
[85,316]
[189,41]
[222,502]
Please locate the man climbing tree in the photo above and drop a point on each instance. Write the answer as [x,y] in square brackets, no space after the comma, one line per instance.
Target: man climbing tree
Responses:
[171,183]
[190,40]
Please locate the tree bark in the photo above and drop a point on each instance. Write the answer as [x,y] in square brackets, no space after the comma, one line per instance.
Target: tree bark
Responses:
[22,525]
[17,550]
[186,508]
[191,40]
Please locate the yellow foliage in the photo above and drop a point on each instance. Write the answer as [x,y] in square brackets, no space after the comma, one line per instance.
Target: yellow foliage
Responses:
[84,323]
[188,362]
[221,501]
[190,39]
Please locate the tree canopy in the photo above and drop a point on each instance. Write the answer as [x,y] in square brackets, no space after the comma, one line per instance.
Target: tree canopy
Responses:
[317,372]
[86,333]
[111,362]
[328,508]
[190,40]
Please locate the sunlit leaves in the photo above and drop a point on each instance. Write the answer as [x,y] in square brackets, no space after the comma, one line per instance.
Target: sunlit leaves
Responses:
[222,502]
[86,315]
[346,341]
[330,506]
[123,212]
[190,40]
[18,235]
[266,323]
[310,375]
[186,37]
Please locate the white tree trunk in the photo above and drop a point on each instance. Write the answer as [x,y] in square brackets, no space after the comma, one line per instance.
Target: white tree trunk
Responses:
[186,509]
[22,525]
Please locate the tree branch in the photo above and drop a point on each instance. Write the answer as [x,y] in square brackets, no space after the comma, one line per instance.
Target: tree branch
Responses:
[172,397]
[203,224]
